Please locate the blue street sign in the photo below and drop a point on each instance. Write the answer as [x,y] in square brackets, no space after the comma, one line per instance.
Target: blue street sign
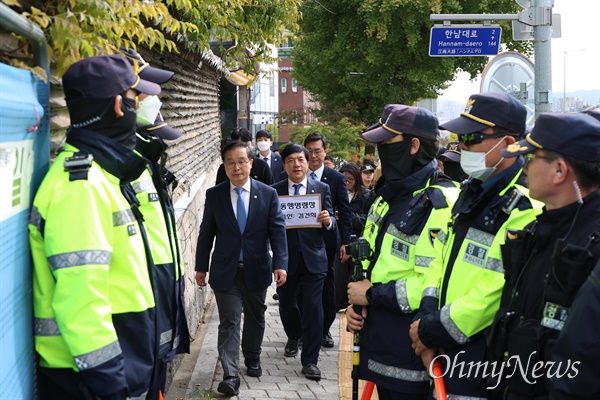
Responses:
[464,40]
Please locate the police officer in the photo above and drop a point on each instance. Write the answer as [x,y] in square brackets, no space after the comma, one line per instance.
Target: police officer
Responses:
[153,190]
[94,308]
[463,288]
[413,204]
[549,260]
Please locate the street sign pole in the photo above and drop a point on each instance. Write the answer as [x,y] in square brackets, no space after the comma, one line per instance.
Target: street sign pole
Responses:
[539,16]
[542,33]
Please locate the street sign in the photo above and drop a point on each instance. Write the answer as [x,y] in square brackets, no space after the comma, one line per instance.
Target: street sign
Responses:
[464,40]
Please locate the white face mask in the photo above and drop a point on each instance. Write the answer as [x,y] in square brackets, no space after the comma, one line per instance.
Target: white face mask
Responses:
[148,111]
[474,165]
[263,145]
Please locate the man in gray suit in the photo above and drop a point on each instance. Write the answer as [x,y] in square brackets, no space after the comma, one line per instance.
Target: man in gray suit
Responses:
[244,215]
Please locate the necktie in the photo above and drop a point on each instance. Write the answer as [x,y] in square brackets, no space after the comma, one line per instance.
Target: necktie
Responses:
[266,159]
[241,214]
[297,187]
[313,176]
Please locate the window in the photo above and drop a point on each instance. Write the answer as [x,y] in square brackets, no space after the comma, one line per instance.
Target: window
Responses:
[283,85]
[271,85]
[295,117]
[294,85]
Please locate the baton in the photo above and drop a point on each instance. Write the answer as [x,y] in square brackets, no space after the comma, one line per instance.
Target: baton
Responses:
[438,380]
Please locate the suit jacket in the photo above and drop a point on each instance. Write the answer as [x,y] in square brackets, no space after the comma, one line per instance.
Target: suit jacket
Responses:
[276,167]
[264,224]
[260,171]
[311,239]
[339,198]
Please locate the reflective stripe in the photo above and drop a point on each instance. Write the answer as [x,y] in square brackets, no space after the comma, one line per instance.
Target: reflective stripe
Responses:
[97,357]
[431,292]
[398,373]
[422,261]
[392,230]
[451,327]
[143,186]
[494,264]
[442,237]
[77,258]
[45,327]
[166,336]
[480,236]
[123,217]
[175,343]
[35,218]
[401,296]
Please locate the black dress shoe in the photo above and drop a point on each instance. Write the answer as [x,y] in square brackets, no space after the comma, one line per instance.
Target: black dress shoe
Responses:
[229,386]
[312,372]
[328,341]
[276,296]
[291,348]
[253,365]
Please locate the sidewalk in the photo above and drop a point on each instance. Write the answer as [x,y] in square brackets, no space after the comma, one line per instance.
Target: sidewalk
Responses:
[282,377]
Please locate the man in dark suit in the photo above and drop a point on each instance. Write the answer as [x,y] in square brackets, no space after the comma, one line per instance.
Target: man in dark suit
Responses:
[316,144]
[264,141]
[245,216]
[260,169]
[307,265]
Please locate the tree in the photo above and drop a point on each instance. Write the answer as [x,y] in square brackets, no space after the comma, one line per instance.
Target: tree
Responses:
[355,56]
[343,136]
[76,29]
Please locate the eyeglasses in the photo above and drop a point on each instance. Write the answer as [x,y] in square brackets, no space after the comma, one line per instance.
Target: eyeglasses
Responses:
[350,180]
[469,139]
[532,156]
[239,164]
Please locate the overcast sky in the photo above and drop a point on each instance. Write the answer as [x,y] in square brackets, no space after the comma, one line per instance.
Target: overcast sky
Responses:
[580,39]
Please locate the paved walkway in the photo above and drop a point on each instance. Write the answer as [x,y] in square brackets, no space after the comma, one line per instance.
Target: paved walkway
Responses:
[282,377]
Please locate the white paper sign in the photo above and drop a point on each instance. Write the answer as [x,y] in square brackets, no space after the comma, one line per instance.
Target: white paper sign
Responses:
[301,211]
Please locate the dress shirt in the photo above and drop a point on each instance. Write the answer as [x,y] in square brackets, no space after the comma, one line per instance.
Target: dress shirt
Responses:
[266,158]
[318,172]
[245,197]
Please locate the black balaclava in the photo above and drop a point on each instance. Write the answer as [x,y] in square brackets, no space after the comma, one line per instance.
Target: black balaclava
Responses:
[396,161]
[98,115]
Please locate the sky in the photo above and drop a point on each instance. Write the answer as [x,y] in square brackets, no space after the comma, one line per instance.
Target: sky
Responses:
[580,39]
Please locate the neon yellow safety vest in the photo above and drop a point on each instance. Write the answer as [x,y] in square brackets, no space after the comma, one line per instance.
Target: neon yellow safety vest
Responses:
[406,258]
[474,288]
[90,267]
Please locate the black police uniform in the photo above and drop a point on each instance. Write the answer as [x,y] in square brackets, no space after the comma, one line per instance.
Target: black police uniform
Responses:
[545,265]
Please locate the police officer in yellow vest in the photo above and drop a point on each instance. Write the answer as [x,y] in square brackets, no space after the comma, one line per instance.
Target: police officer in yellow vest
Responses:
[413,205]
[463,294]
[94,309]
[153,190]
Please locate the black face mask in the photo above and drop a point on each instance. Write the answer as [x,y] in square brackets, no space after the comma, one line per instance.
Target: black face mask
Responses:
[396,161]
[99,116]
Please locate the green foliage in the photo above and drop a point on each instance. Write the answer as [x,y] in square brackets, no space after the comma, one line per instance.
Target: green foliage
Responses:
[343,137]
[81,28]
[355,56]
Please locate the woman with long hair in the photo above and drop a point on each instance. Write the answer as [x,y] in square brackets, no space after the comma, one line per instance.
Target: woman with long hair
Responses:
[360,199]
